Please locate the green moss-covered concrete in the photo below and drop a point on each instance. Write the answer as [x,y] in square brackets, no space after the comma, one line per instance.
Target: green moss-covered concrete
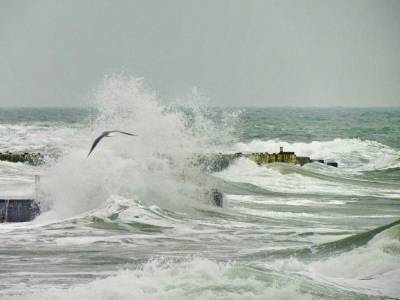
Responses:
[220,161]
[30,158]
[266,158]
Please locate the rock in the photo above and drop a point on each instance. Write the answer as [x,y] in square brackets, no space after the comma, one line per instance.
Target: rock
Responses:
[220,161]
[30,158]
[217,198]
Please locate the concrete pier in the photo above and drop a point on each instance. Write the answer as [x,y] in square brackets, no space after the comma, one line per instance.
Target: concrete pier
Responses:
[220,161]
[18,210]
[30,158]
[25,209]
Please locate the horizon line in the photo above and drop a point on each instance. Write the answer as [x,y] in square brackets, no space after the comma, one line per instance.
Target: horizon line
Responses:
[215,106]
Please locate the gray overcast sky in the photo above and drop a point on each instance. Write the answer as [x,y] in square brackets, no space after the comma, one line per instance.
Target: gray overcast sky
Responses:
[265,53]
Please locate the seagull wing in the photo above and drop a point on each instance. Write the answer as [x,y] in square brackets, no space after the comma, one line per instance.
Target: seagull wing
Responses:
[97,140]
[123,132]
[104,134]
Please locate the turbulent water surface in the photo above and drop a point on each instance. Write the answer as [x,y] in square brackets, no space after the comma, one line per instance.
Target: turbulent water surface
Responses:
[134,220]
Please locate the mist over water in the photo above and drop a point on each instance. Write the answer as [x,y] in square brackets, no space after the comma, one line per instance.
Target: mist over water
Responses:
[134,220]
[153,168]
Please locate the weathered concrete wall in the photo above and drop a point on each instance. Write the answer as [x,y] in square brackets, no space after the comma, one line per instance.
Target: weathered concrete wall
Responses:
[18,210]
[220,161]
[266,158]
[211,162]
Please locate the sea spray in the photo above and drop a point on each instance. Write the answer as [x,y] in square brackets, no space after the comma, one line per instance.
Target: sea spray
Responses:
[131,221]
[154,167]
[195,278]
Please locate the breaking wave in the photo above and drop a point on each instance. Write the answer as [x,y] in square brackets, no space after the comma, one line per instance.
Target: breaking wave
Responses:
[136,210]
[310,179]
[165,279]
[152,168]
[372,268]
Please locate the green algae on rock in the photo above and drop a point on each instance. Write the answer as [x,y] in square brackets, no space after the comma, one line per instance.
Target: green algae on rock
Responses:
[30,158]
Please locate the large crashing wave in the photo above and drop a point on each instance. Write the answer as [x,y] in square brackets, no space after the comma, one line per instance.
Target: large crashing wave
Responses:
[152,168]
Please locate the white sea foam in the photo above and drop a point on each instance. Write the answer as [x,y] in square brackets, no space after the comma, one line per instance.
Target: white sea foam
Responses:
[282,201]
[272,179]
[281,214]
[17,180]
[152,168]
[162,279]
[36,137]
[130,183]
[373,268]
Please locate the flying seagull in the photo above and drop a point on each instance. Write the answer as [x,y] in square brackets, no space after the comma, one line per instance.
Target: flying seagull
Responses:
[106,134]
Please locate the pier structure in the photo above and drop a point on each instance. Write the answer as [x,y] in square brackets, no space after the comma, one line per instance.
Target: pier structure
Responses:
[18,210]
[281,156]
[220,161]
[14,209]
[30,158]
[24,210]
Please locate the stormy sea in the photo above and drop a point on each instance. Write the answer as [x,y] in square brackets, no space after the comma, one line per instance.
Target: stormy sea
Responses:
[135,220]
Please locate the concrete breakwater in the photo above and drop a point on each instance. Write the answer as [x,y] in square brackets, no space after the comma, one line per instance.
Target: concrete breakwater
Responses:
[23,210]
[220,161]
[18,210]
[30,158]
[215,161]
